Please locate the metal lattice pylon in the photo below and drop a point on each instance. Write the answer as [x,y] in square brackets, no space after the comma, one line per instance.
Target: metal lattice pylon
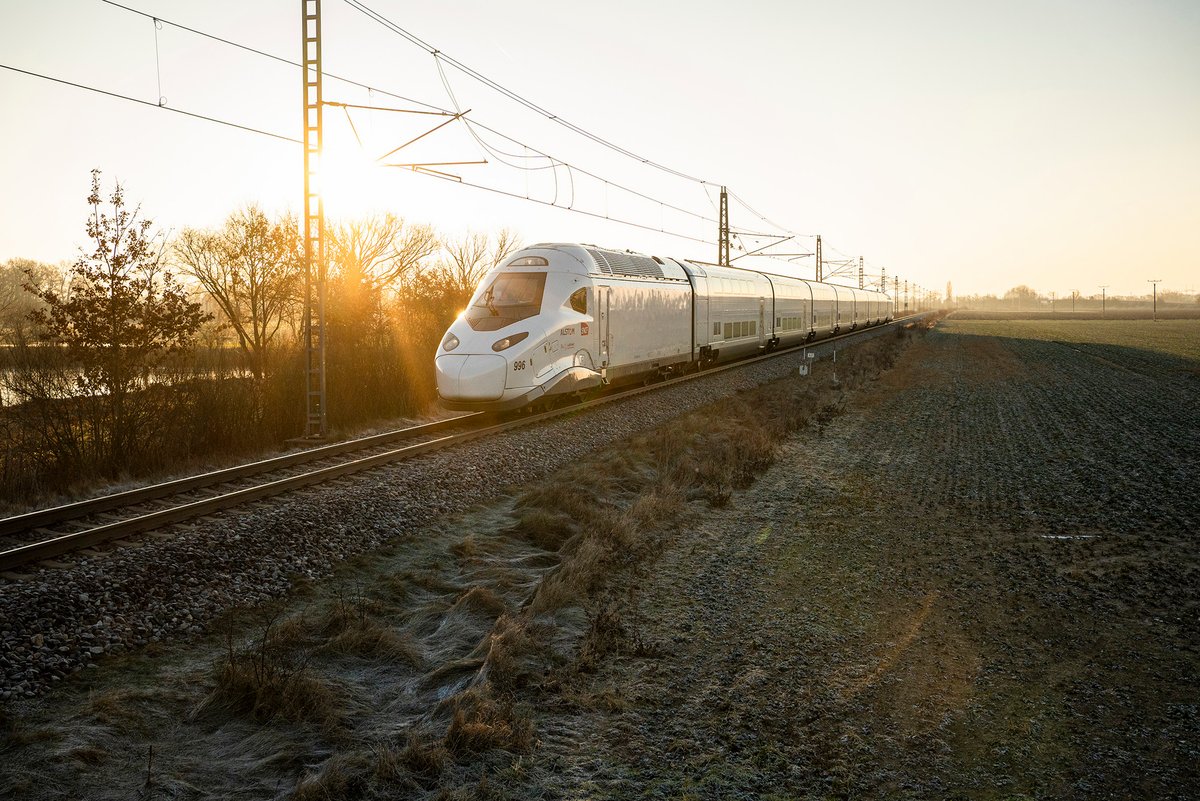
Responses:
[723,233]
[314,226]
[820,262]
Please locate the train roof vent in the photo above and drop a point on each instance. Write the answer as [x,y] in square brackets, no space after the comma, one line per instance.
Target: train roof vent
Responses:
[614,263]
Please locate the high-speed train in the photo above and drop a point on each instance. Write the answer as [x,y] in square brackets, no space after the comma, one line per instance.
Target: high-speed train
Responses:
[558,319]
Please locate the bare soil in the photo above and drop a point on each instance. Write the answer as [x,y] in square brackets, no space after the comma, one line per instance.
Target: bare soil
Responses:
[979,582]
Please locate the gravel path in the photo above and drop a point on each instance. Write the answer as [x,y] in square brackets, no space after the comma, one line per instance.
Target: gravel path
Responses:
[978,582]
[174,583]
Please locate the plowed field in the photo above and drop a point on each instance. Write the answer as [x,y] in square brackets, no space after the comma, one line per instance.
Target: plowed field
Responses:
[980,581]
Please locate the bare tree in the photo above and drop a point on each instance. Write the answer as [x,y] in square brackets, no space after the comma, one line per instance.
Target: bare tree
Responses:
[17,301]
[1022,296]
[471,257]
[380,249]
[252,269]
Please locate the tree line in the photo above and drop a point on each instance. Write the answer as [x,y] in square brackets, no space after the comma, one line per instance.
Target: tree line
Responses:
[149,352]
[1026,298]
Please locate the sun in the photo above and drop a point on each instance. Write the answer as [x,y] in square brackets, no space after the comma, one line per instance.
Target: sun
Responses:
[352,182]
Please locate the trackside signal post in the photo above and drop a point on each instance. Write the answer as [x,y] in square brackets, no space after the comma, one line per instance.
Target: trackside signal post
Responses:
[315,425]
[819,262]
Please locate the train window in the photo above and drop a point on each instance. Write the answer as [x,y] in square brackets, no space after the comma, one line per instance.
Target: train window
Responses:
[778,322]
[529,261]
[753,328]
[510,298]
[716,329]
[728,330]
[578,300]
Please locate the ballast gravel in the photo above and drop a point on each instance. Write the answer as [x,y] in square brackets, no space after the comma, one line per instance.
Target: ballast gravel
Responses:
[170,585]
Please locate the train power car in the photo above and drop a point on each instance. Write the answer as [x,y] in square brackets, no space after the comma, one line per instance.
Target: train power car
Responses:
[559,319]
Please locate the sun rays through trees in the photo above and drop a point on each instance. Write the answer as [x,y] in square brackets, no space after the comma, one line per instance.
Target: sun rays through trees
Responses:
[150,352]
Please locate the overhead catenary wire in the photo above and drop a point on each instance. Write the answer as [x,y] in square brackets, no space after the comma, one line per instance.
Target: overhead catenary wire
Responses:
[172,109]
[762,217]
[441,57]
[414,39]
[470,124]
[593,214]
[284,138]
[272,56]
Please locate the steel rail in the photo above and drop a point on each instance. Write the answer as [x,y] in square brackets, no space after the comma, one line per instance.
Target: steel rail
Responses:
[73,511]
[65,543]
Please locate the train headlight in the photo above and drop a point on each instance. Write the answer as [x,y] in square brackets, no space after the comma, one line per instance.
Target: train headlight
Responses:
[508,342]
[450,342]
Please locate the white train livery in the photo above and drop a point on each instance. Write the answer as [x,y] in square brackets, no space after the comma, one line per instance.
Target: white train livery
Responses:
[559,319]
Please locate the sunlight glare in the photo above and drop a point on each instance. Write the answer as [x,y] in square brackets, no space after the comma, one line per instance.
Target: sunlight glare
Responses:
[352,183]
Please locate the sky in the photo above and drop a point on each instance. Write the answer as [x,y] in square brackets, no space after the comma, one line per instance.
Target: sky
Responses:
[1054,144]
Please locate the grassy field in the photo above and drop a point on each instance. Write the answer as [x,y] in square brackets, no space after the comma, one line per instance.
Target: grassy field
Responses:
[1171,337]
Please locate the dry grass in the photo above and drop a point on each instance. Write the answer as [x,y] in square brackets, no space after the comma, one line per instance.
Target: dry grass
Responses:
[114,708]
[430,581]
[604,637]
[598,520]
[425,758]
[344,776]
[352,627]
[482,723]
[548,529]
[467,549]
[269,681]
[392,587]
[374,641]
[89,754]
[510,651]
[481,600]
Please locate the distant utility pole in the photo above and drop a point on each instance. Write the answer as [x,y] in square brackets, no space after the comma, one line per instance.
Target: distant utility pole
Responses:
[723,233]
[896,288]
[1103,298]
[1155,282]
[1074,293]
[819,262]
[860,272]
[314,224]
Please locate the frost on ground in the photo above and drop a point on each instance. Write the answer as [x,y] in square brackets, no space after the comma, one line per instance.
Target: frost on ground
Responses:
[978,582]
[973,577]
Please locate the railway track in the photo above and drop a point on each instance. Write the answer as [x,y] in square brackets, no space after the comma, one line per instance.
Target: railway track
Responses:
[44,534]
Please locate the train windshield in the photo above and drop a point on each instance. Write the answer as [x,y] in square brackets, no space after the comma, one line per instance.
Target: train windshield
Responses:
[510,298]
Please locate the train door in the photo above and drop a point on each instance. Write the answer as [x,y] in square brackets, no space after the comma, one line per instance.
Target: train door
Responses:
[762,322]
[603,299]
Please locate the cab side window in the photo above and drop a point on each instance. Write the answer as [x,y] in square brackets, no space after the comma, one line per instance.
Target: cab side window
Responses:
[578,300]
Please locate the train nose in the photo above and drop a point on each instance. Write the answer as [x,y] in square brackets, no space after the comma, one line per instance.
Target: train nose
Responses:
[474,377]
